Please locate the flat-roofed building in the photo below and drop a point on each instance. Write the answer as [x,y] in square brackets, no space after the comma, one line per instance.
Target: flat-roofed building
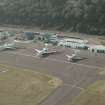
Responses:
[75,40]
[97,48]
[74,43]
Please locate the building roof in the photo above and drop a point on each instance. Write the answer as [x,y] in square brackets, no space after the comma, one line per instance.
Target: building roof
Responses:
[101,47]
[75,40]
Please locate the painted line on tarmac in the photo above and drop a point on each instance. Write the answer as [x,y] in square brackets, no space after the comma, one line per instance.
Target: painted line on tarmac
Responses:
[53,59]
[74,86]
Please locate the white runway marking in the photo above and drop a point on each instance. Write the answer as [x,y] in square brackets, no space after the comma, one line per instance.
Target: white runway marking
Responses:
[53,59]
[74,86]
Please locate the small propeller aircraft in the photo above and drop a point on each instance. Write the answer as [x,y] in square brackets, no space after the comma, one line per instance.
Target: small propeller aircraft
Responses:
[6,46]
[73,57]
[44,52]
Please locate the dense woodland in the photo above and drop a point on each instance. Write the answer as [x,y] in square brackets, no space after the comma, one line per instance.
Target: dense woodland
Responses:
[86,16]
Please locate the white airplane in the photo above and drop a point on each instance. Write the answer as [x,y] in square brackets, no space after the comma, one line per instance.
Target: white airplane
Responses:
[73,57]
[44,52]
[6,46]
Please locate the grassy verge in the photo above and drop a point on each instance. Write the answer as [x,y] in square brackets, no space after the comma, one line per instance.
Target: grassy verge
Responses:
[102,72]
[25,87]
[93,95]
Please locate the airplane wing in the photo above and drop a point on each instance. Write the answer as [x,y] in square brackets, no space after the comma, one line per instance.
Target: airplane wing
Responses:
[8,47]
[38,51]
[44,54]
[51,52]
[68,56]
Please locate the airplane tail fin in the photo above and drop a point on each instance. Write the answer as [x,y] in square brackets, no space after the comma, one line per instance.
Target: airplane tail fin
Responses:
[69,58]
[76,51]
[46,45]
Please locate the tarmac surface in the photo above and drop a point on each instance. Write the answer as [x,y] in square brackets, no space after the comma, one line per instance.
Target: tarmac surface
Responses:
[76,76]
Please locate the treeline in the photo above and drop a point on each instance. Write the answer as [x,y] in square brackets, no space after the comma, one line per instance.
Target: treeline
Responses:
[86,16]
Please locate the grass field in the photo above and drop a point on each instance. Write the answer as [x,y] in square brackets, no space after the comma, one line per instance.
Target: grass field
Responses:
[93,95]
[25,87]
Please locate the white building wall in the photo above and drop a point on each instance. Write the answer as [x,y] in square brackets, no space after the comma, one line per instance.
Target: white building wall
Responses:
[97,48]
